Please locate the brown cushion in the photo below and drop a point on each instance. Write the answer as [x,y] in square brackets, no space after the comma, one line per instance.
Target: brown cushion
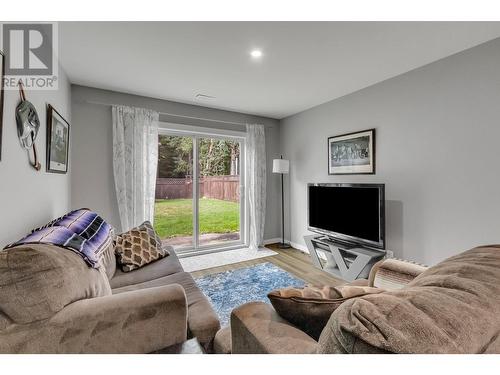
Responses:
[38,280]
[309,308]
[138,247]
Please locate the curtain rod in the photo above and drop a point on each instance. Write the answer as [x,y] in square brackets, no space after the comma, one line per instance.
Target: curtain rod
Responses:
[175,115]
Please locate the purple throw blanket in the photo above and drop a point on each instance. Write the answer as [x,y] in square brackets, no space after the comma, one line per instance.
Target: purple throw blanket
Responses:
[81,231]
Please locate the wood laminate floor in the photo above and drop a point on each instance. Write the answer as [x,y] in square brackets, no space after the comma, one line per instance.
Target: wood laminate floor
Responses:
[291,260]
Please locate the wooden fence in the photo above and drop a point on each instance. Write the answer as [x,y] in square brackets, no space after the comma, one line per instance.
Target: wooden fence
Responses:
[174,188]
[216,187]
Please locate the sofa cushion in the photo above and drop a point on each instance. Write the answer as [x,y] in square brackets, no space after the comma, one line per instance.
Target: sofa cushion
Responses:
[161,268]
[203,323]
[138,247]
[449,308]
[38,280]
[309,308]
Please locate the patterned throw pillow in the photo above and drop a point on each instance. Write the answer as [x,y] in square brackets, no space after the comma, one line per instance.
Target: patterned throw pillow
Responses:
[138,247]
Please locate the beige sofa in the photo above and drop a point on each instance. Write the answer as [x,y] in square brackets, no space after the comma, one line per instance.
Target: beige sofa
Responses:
[452,307]
[52,302]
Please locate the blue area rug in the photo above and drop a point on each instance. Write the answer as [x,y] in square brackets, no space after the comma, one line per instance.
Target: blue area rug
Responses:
[230,289]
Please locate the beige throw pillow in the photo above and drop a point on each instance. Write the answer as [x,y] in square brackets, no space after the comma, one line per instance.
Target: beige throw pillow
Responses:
[138,247]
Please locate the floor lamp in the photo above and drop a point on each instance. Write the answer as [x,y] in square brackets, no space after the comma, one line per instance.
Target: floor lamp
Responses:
[282,167]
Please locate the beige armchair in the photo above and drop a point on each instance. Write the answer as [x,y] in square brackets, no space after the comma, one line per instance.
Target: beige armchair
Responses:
[257,328]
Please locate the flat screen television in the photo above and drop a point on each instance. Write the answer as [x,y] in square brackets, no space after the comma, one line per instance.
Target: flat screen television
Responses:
[348,213]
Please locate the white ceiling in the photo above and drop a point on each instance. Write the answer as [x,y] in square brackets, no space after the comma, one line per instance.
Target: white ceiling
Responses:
[304,63]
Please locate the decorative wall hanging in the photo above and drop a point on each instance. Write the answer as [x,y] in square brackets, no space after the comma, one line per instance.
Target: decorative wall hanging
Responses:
[28,124]
[2,73]
[57,142]
[352,153]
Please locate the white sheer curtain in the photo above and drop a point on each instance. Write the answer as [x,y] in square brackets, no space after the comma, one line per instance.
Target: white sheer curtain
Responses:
[256,182]
[135,160]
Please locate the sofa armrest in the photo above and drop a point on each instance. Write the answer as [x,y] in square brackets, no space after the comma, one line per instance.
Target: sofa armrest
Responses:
[392,274]
[256,328]
[360,282]
[139,321]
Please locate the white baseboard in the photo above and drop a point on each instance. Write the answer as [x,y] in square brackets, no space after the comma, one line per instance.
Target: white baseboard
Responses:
[300,247]
[272,240]
[295,245]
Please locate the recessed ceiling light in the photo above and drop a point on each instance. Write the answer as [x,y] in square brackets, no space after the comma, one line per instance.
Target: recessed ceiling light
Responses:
[256,53]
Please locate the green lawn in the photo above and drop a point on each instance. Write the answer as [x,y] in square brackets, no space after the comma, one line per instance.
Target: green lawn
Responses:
[174,217]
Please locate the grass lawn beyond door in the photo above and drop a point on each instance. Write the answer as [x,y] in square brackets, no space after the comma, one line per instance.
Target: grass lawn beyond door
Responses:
[174,217]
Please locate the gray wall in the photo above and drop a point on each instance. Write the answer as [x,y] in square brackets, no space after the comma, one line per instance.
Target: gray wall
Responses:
[92,183]
[29,198]
[438,152]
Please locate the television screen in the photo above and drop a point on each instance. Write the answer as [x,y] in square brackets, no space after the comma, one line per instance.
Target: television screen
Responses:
[348,212]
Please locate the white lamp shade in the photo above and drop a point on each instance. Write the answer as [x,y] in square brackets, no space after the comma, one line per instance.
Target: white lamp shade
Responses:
[281,166]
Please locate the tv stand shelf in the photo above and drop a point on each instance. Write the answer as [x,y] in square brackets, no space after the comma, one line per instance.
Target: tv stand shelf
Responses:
[341,260]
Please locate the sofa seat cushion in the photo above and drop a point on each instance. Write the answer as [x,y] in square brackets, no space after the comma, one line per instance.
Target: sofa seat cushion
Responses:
[449,308]
[161,268]
[39,280]
[203,322]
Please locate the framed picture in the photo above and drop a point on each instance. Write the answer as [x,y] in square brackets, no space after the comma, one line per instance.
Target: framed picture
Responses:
[352,153]
[2,73]
[57,142]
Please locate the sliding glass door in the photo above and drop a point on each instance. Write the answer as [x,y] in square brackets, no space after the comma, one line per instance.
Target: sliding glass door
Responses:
[199,192]
[174,191]
[219,184]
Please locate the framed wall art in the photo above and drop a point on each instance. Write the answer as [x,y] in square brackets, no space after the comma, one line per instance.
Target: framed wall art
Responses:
[57,142]
[352,153]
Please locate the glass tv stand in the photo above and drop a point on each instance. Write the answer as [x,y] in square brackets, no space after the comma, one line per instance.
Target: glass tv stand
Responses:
[340,260]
